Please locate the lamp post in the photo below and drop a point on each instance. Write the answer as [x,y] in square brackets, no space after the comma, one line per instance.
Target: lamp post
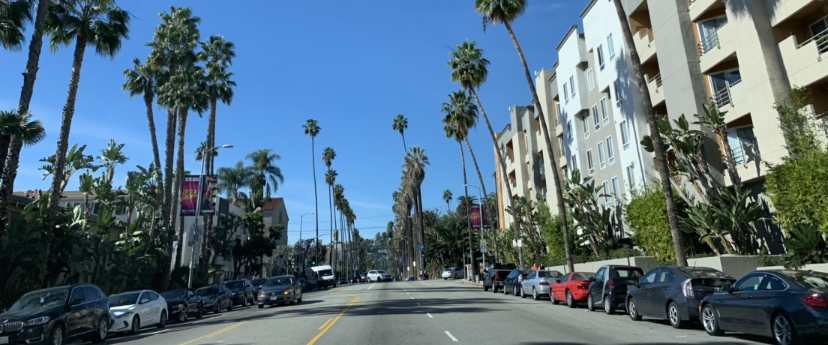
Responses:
[301,223]
[481,218]
[204,156]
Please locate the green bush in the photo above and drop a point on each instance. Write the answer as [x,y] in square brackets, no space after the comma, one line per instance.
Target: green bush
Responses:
[552,233]
[797,190]
[646,214]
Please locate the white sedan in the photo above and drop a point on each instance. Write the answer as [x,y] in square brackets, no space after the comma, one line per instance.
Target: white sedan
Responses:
[132,310]
[453,272]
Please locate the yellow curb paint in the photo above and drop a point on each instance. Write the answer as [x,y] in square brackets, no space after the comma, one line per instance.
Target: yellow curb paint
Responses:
[214,333]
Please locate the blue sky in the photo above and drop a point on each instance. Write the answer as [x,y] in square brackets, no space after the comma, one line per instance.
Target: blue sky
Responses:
[353,66]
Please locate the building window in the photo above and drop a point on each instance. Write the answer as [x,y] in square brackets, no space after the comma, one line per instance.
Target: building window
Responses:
[601,155]
[720,84]
[604,111]
[566,92]
[819,31]
[708,32]
[560,114]
[586,127]
[607,195]
[572,83]
[596,118]
[600,53]
[610,150]
[618,91]
[589,162]
[591,79]
[625,135]
[610,47]
[631,177]
[574,162]
[615,190]
[742,144]
[569,129]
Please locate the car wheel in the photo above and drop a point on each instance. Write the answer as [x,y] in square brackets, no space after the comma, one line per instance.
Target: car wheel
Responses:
[230,306]
[505,290]
[710,321]
[445,278]
[56,338]
[300,299]
[485,287]
[136,325]
[162,322]
[182,317]
[570,301]
[552,298]
[535,294]
[632,310]
[674,316]
[494,288]
[590,303]
[608,306]
[455,276]
[783,329]
[261,306]
[515,291]
[103,328]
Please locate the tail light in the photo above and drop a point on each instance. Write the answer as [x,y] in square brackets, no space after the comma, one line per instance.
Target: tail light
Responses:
[544,283]
[612,285]
[497,276]
[687,288]
[816,302]
[583,286]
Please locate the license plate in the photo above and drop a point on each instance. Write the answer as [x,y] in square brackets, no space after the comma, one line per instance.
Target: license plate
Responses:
[274,298]
[4,340]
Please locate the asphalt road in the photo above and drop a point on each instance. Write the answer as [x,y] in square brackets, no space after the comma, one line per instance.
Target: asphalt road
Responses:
[430,312]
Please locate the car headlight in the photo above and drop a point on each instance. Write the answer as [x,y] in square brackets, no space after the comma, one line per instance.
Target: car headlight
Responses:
[286,293]
[123,315]
[235,293]
[38,321]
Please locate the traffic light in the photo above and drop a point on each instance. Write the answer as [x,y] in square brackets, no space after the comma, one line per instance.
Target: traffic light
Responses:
[422,255]
[336,235]
[313,262]
[390,238]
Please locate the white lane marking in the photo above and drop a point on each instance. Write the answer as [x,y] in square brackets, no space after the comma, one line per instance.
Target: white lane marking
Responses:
[369,288]
[452,337]
[412,297]
[427,284]
[429,314]
[407,293]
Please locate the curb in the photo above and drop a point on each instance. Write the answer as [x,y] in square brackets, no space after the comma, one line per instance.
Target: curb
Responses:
[470,284]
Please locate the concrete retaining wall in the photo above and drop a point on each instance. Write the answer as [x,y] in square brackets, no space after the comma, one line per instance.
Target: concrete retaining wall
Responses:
[645,262]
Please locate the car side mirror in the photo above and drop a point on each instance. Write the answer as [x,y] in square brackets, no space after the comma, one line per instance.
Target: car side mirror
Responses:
[592,279]
[558,281]
[727,287]
[75,302]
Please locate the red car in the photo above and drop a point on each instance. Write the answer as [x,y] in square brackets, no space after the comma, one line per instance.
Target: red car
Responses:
[572,288]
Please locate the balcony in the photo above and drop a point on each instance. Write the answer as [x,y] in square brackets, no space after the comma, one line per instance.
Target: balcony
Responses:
[699,7]
[804,61]
[731,99]
[791,9]
[715,48]
[645,44]
[656,89]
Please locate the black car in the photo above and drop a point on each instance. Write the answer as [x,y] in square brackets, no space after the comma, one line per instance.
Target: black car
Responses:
[215,298]
[609,287]
[182,303]
[512,282]
[280,290]
[343,280]
[52,316]
[674,293]
[257,283]
[242,291]
[787,305]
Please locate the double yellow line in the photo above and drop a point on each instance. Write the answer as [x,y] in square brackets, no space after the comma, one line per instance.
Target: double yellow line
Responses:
[328,324]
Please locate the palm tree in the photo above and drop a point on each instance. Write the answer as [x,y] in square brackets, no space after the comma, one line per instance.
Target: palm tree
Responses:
[218,53]
[199,152]
[655,134]
[451,130]
[447,196]
[95,23]
[330,179]
[13,18]
[266,175]
[469,68]
[463,113]
[312,129]
[141,82]
[415,163]
[505,12]
[328,155]
[232,179]
[12,125]
[400,125]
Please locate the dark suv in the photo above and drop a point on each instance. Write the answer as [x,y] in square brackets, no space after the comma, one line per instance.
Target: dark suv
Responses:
[51,316]
[242,291]
[608,288]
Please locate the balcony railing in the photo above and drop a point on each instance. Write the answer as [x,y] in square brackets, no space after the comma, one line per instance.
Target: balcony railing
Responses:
[711,41]
[724,97]
[657,80]
[650,37]
[821,40]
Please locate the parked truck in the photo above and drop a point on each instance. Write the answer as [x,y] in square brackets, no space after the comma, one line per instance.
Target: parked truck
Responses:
[494,276]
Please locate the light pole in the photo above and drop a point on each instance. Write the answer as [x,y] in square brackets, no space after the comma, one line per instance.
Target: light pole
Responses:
[483,255]
[204,156]
[301,223]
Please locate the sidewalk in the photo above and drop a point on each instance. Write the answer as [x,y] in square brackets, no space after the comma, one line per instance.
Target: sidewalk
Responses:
[472,283]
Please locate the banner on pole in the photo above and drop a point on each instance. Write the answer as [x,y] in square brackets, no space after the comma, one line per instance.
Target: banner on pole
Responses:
[478,217]
[189,195]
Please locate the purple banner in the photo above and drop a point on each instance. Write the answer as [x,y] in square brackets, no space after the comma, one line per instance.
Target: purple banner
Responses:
[189,195]
[478,217]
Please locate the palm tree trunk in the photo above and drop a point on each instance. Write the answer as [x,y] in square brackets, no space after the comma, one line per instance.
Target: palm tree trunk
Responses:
[422,225]
[148,101]
[502,163]
[404,145]
[5,141]
[468,206]
[65,128]
[206,244]
[655,133]
[483,186]
[315,196]
[179,176]
[331,261]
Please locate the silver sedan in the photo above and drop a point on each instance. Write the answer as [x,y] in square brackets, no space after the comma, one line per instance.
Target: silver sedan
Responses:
[538,283]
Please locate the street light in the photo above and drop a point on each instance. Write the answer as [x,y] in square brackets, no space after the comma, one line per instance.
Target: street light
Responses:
[479,195]
[204,156]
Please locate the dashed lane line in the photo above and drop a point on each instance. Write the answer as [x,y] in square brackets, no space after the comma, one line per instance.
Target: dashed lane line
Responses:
[429,315]
[452,337]
[369,288]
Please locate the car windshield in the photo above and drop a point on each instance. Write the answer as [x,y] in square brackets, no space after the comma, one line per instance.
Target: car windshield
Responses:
[549,274]
[811,281]
[174,294]
[325,273]
[704,273]
[582,276]
[123,299]
[629,272]
[449,269]
[40,299]
[380,271]
[236,285]
[207,291]
[504,266]
[278,281]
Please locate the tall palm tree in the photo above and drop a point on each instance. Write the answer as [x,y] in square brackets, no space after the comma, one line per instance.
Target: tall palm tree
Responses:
[415,163]
[328,155]
[330,179]
[218,53]
[26,92]
[141,82]
[447,196]
[312,129]
[655,133]
[470,69]
[231,180]
[400,125]
[12,125]
[463,113]
[13,18]
[99,24]
[451,130]
[199,152]
[505,12]
[266,175]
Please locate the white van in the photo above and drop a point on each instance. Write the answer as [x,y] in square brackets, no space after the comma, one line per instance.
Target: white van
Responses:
[326,276]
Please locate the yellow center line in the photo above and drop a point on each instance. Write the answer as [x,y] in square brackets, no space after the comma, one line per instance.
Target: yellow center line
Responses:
[328,327]
[214,333]
[325,324]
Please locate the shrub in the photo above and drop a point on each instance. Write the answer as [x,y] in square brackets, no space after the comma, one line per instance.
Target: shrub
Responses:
[797,190]
[646,213]
[552,233]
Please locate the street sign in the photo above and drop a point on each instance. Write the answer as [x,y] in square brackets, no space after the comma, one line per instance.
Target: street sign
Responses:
[520,243]
[483,248]
[420,247]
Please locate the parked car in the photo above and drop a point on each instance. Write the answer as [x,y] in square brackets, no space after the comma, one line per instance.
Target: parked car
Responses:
[787,305]
[56,315]
[411,279]
[363,277]
[257,283]
[280,290]
[537,283]
[326,276]
[182,303]
[674,293]
[130,311]
[242,291]
[378,276]
[512,282]
[453,272]
[608,288]
[343,280]
[495,275]
[572,288]
[215,298]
